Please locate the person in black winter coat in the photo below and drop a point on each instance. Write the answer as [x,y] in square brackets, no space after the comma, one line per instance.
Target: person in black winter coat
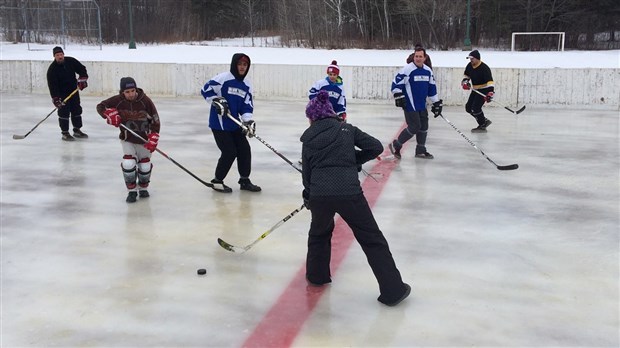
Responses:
[62,82]
[330,166]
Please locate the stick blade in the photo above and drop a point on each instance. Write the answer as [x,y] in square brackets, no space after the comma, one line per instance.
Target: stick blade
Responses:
[508,167]
[520,110]
[229,246]
[18,137]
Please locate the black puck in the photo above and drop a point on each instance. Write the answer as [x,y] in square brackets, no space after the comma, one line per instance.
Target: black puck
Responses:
[202,271]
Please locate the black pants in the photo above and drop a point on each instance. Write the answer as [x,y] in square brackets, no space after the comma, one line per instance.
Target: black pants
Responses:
[233,145]
[474,106]
[355,211]
[417,124]
[72,109]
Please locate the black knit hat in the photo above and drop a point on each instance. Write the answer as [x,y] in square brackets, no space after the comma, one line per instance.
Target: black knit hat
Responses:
[127,83]
[57,49]
[474,54]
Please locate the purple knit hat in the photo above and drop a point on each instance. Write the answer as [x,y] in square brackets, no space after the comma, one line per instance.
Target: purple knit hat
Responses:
[320,107]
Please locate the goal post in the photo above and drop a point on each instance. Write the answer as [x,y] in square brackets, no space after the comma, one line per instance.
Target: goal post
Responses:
[51,21]
[560,43]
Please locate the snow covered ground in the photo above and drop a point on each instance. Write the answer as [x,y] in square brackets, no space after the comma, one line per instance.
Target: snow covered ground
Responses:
[220,51]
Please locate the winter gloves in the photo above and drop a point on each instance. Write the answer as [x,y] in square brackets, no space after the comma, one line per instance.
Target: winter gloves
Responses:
[151,145]
[221,106]
[399,100]
[81,82]
[112,117]
[466,84]
[58,102]
[437,107]
[250,128]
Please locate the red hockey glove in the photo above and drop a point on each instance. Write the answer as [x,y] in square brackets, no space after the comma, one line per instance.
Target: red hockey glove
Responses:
[466,84]
[112,117]
[489,97]
[82,82]
[151,145]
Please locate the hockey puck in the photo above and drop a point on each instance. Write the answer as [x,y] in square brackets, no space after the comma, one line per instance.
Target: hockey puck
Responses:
[202,271]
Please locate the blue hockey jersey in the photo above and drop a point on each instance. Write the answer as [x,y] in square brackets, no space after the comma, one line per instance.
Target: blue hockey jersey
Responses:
[416,84]
[237,93]
[335,92]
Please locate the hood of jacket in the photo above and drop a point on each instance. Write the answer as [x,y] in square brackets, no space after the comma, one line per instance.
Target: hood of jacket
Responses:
[233,66]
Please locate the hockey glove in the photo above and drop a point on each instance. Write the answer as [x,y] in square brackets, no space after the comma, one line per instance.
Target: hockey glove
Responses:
[306,197]
[437,107]
[82,82]
[151,145]
[58,102]
[249,128]
[399,100]
[466,84]
[112,117]
[221,106]
[489,97]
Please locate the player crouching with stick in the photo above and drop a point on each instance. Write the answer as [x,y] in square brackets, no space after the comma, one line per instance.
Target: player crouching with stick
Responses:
[134,112]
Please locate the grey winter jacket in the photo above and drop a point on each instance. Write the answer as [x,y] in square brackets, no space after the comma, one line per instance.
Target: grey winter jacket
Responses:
[330,160]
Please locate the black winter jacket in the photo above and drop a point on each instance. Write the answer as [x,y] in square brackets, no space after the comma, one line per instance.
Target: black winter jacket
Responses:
[330,160]
[61,78]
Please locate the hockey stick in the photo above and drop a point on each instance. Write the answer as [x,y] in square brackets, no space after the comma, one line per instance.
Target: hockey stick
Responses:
[507,167]
[237,249]
[370,175]
[19,137]
[386,158]
[500,104]
[208,184]
[262,141]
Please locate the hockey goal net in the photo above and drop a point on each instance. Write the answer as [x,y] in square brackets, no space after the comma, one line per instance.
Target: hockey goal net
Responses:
[537,41]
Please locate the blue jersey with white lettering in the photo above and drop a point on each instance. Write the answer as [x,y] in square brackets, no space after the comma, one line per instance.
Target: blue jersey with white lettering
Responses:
[335,92]
[237,93]
[416,84]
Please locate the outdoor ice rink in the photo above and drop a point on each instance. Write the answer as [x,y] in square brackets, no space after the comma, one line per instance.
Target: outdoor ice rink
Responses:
[523,258]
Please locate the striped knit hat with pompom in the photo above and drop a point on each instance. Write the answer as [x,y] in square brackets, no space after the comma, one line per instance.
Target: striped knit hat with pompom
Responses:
[333,68]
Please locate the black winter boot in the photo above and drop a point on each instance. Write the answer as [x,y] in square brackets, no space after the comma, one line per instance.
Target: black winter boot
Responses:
[131,197]
[394,302]
[218,185]
[79,134]
[66,136]
[246,184]
[425,155]
[395,150]
[482,128]
[144,194]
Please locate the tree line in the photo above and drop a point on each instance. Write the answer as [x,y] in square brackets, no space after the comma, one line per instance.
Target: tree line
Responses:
[437,24]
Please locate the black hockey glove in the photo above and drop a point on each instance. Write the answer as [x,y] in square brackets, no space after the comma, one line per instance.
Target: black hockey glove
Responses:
[399,100]
[221,106]
[250,128]
[306,197]
[437,107]
[58,103]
